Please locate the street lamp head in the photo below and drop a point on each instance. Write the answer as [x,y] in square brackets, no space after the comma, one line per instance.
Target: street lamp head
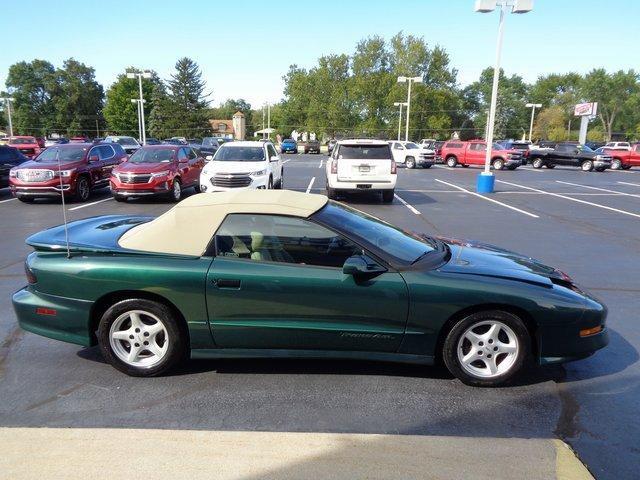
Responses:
[416,79]
[146,74]
[134,100]
[397,104]
[131,75]
[517,6]
[485,6]
[522,6]
[531,105]
[402,79]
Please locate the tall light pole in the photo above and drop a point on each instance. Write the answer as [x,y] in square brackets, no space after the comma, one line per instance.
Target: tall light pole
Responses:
[137,102]
[408,80]
[141,75]
[486,180]
[7,102]
[400,104]
[533,107]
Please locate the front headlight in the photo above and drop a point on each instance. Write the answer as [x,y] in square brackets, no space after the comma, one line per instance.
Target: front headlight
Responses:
[13,173]
[160,174]
[67,173]
[598,157]
[258,173]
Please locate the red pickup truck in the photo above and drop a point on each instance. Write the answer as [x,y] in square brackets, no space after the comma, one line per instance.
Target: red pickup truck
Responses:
[457,152]
[72,169]
[624,159]
[27,145]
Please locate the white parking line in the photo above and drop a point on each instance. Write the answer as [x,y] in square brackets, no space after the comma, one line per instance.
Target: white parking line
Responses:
[633,184]
[310,184]
[488,199]
[529,169]
[624,212]
[285,161]
[320,166]
[600,189]
[409,206]
[90,204]
[8,200]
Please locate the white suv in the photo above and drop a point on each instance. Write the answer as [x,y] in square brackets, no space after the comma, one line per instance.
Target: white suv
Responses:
[254,165]
[361,165]
[412,155]
[618,146]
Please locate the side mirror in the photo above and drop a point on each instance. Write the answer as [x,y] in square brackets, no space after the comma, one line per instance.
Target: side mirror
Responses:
[94,158]
[358,266]
[208,157]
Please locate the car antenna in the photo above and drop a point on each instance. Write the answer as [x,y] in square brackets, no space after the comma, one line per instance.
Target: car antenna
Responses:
[64,209]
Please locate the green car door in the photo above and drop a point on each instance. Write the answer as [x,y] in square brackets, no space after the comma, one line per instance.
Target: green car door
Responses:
[276,282]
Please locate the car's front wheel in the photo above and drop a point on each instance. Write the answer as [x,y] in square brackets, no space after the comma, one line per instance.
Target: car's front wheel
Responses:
[498,164]
[487,348]
[83,189]
[176,191]
[141,338]
[410,162]
[452,162]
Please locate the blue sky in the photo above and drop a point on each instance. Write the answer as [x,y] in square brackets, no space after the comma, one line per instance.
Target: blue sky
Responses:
[244,48]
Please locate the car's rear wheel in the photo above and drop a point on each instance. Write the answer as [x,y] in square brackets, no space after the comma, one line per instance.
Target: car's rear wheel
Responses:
[616,164]
[141,337]
[280,184]
[626,167]
[410,162]
[387,196]
[452,162]
[550,167]
[487,348]
[537,163]
[83,189]
[587,166]
[270,184]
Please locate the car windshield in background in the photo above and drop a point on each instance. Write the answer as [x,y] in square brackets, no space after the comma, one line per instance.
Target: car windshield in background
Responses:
[496,146]
[239,154]
[411,146]
[210,142]
[126,141]
[403,246]
[365,152]
[65,154]
[583,148]
[152,155]
[22,141]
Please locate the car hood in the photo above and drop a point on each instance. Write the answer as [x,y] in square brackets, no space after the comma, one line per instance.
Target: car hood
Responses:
[24,145]
[129,167]
[472,257]
[51,165]
[215,166]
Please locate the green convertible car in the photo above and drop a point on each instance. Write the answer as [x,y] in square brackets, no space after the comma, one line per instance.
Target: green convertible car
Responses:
[288,274]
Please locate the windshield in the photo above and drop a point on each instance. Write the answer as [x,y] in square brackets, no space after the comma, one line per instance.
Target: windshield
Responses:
[362,152]
[288,140]
[403,247]
[583,148]
[239,154]
[209,142]
[125,141]
[22,141]
[411,145]
[497,146]
[152,155]
[66,154]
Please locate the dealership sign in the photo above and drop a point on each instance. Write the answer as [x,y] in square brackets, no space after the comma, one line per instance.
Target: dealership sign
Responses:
[585,109]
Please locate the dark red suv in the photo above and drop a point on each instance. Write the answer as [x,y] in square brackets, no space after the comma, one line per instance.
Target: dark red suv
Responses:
[164,170]
[74,169]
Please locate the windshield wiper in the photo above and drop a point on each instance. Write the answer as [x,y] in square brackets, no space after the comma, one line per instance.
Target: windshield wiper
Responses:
[421,256]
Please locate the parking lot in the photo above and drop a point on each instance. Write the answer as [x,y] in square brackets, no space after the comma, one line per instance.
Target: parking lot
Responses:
[587,224]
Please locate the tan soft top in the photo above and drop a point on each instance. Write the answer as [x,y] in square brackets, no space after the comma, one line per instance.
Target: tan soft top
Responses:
[187,228]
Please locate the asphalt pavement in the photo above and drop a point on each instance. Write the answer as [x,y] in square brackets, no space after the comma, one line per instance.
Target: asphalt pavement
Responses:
[586,224]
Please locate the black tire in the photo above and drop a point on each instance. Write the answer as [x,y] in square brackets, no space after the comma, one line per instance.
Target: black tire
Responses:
[119,198]
[428,165]
[280,184]
[175,195]
[600,169]
[626,167]
[498,164]
[465,165]
[83,189]
[550,167]
[586,166]
[512,167]
[387,196]
[26,199]
[270,184]
[537,163]
[616,164]
[451,161]
[410,162]
[450,348]
[331,193]
[177,338]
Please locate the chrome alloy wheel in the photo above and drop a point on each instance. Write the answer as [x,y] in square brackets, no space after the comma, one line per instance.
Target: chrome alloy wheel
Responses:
[139,338]
[487,349]
[177,190]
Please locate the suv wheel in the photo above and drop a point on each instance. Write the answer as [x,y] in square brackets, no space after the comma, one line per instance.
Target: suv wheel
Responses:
[587,166]
[452,162]
[83,189]
[331,192]
[387,196]
[616,164]
[410,162]
[270,184]
[140,337]
[537,163]
[487,349]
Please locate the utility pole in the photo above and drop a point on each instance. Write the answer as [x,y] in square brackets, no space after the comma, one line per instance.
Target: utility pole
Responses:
[7,102]
[408,80]
[141,75]
[400,104]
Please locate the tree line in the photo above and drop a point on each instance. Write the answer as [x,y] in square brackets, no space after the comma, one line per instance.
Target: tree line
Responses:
[342,95]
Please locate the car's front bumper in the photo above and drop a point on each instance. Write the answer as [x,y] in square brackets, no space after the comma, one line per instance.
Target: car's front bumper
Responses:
[510,163]
[601,164]
[61,318]
[257,182]
[160,186]
[41,191]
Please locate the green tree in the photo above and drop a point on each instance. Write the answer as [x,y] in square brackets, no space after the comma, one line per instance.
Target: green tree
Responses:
[615,93]
[551,124]
[119,112]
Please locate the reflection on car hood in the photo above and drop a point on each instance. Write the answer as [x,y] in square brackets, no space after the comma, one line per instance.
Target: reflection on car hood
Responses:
[216,166]
[471,257]
[131,167]
[64,165]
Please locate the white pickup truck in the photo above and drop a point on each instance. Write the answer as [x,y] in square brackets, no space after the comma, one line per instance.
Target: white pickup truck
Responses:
[411,155]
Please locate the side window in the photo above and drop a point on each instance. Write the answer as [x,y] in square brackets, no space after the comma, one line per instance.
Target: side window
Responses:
[182,154]
[94,152]
[397,146]
[106,152]
[192,154]
[272,151]
[275,238]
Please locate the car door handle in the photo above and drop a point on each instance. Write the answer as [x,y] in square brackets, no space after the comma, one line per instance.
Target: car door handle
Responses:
[226,283]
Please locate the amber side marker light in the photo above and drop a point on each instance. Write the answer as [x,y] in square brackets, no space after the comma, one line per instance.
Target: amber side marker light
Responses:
[45,311]
[590,331]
